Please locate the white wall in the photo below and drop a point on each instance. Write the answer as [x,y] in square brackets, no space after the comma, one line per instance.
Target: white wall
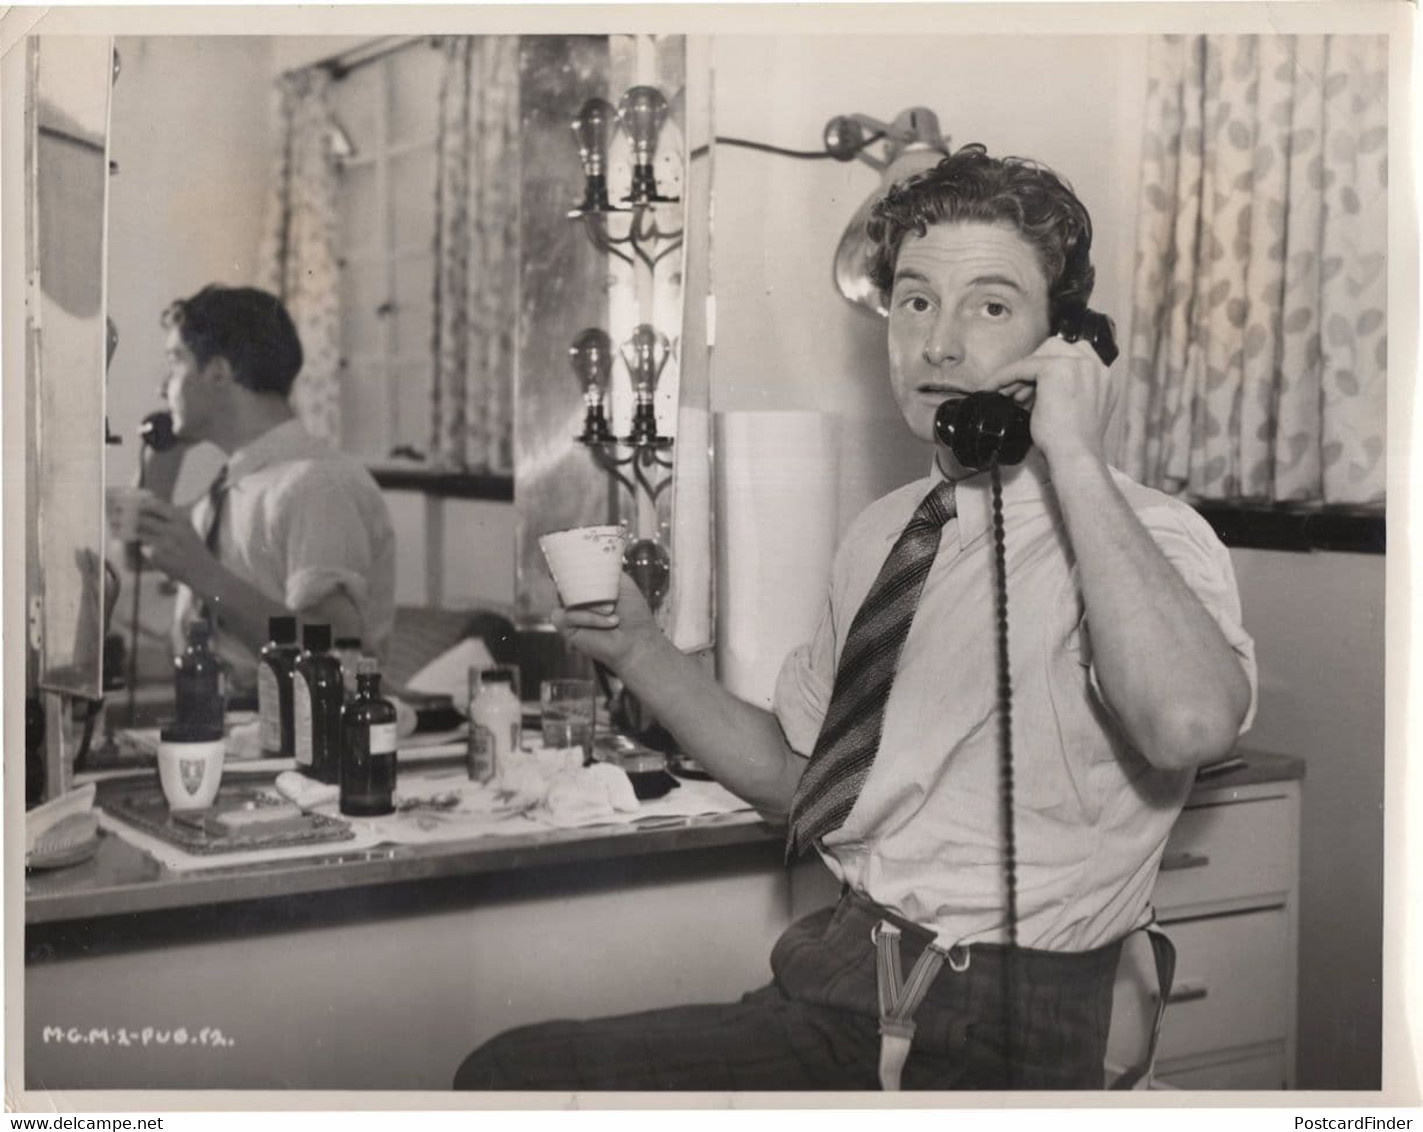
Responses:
[1318,624]
[192,135]
[452,553]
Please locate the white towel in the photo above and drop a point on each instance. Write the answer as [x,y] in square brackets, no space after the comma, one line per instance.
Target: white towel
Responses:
[306,792]
[587,795]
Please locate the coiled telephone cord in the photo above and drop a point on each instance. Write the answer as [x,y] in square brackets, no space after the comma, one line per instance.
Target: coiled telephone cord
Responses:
[1005,733]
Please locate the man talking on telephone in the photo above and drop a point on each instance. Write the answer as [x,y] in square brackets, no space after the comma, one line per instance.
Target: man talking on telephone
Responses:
[289,525]
[1129,668]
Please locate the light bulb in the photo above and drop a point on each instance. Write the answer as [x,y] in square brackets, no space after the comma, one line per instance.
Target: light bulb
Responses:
[642,112]
[645,354]
[591,358]
[650,566]
[649,349]
[590,131]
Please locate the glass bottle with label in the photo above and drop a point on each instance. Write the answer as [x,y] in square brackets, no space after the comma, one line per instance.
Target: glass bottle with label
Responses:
[368,747]
[274,688]
[496,717]
[317,697]
[197,682]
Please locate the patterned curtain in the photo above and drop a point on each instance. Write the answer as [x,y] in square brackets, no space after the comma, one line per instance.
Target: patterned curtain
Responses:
[476,255]
[1258,350]
[298,258]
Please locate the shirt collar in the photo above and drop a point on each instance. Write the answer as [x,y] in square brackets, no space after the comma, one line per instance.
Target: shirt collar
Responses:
[1022,483]
[280,442]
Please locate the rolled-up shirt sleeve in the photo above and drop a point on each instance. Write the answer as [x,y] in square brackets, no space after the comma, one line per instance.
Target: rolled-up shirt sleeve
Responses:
[803,687]
[1202,560]
[327,543]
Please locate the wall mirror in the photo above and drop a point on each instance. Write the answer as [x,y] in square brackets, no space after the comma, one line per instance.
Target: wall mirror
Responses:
[410,197]
[68,82]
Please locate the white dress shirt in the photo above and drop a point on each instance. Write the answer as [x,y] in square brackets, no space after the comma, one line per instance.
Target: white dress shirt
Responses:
[300,520]
[1092,815]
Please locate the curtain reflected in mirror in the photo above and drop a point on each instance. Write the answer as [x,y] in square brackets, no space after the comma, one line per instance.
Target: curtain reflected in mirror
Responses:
[68,89]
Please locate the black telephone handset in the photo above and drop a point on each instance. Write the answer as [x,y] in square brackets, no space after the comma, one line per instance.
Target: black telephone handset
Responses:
[156,431]
[984,429]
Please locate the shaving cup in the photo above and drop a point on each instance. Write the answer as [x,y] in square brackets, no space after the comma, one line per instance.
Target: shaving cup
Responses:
[190,766]
[585,563]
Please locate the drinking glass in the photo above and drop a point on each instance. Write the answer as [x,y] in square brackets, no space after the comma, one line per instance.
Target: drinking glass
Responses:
[568,711]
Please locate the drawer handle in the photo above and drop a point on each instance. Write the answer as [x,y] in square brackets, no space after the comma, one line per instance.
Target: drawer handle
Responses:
[1174,862]
[1184,992]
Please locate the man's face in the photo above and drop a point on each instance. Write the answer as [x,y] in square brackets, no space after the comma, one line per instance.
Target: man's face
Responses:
[188,388]
[968,299]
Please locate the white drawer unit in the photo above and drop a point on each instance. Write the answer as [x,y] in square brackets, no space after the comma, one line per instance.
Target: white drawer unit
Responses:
[1228,898]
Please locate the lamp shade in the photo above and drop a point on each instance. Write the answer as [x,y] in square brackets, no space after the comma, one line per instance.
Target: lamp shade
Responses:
[852,276]
[912,144]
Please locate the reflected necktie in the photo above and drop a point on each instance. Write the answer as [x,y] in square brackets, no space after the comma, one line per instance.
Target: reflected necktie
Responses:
[850,734]
[217,496]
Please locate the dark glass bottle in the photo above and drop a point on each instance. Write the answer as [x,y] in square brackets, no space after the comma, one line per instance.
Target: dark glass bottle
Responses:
[197,682]
[274,688]
[317,697]
[368,747]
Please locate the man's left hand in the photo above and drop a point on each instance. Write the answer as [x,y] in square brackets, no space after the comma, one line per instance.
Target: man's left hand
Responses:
[1070,393]
[172,545]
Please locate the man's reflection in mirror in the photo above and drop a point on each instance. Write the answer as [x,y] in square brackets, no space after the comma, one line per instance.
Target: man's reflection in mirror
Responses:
[289,525]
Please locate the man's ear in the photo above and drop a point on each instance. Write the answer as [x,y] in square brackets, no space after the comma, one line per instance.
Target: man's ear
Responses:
[219,370]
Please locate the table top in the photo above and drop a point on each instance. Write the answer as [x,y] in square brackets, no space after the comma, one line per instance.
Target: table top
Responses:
[121,879]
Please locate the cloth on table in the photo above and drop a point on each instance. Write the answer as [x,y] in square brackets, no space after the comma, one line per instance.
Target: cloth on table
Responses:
[544,790]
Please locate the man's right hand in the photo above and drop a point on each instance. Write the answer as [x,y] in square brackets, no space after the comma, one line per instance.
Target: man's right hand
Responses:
[614,633]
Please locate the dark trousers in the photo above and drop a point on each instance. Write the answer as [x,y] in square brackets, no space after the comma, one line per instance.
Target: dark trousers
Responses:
[816,1026]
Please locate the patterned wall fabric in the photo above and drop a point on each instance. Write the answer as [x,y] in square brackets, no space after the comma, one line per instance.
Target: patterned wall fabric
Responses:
[298,258]
[476,255]
[1257,364]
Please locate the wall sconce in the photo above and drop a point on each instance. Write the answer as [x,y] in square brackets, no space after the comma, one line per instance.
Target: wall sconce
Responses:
[645,354]
[641,113]
[591,357]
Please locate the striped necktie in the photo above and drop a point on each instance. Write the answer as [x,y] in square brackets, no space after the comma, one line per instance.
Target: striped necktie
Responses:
[217,496]
[850,734]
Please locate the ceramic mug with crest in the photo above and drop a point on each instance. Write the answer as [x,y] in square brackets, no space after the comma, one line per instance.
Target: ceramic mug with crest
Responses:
[190,766]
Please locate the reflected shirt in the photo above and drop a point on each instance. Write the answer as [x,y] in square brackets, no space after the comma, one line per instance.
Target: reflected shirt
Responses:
[925,836]
[300,520]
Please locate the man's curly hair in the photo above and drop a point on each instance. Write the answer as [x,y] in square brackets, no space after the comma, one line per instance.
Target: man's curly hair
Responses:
[970,185]
[248,327]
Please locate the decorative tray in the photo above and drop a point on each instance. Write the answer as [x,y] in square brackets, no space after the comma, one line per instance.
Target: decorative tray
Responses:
[243,816]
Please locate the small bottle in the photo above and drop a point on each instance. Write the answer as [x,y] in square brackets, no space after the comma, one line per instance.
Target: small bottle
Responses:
[368,747]
[496,718]
[317,697]
[197,682]
[274,688]
[348,652]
